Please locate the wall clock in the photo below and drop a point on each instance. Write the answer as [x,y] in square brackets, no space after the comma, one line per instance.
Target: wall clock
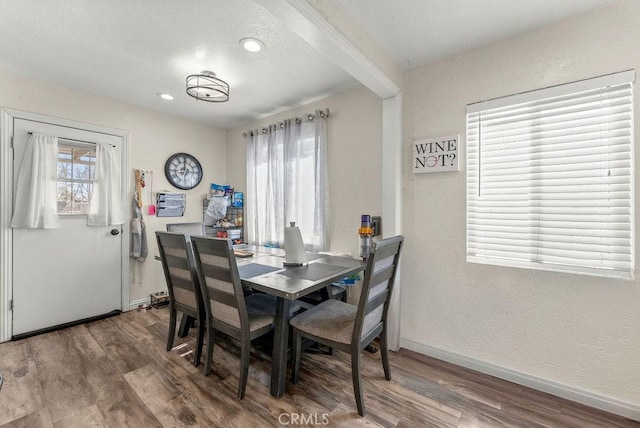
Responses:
[183,171]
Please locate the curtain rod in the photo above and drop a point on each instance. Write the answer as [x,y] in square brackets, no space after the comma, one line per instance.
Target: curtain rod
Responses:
[77,141]
[309,116]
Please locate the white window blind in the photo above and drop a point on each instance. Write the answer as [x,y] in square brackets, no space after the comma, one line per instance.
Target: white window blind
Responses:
[550,178]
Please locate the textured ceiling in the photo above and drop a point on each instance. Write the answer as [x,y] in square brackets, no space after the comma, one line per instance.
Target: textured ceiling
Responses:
[417,32]
[129,50]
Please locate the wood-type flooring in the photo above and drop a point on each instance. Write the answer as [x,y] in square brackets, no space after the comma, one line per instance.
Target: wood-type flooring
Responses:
[116,372]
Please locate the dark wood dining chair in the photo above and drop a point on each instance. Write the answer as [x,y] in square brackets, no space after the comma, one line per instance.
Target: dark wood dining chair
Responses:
[183,285]
[227,309]
[351,328]
[196,228]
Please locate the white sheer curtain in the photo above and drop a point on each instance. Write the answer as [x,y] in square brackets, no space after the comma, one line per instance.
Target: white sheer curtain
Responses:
[105,207]
[36,199]
[287,180]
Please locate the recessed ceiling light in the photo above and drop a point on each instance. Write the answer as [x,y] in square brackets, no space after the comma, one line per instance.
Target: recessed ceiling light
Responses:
[201,52]
[165,96]
[251,44]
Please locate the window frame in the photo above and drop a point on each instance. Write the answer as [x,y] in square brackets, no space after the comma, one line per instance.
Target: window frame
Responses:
[76,145]
[476,218]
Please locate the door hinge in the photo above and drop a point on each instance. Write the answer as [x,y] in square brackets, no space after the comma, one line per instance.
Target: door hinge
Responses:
[11,305]
[13,142]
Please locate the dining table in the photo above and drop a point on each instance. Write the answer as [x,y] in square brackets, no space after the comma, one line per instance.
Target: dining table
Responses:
[264,271]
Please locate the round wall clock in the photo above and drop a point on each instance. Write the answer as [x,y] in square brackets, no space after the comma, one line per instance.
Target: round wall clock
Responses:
[183,171]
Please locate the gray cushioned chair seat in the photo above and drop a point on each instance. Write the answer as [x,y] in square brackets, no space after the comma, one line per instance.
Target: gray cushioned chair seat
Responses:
[229,315]
[331,319]
[258,318]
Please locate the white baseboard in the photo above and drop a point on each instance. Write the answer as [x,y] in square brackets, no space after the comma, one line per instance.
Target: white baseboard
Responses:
[135,303]
[612,405]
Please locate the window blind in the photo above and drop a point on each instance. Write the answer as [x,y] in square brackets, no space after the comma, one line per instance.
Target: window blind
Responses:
[550,179]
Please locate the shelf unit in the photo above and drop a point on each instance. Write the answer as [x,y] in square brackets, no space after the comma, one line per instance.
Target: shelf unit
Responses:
[234,231]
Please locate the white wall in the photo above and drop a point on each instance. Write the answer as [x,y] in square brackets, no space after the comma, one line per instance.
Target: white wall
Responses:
[578,332]
[153,137]
[354,133]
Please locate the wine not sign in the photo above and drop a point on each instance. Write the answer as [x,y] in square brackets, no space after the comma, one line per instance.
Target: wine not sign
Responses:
[435,154]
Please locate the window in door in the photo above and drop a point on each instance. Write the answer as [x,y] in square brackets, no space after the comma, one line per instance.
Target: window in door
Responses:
[76,167]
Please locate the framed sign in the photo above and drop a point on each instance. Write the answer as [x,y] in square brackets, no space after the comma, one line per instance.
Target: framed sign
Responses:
[435,154]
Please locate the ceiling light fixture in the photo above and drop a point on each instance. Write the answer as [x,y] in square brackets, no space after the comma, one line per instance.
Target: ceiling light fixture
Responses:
[207,87]
[165,96]
[251,44]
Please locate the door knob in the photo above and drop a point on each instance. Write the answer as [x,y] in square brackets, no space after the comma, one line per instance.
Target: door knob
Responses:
[115,232]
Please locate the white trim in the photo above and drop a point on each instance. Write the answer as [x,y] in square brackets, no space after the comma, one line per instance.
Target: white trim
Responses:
[135,303]
[392,198]
[125,260]
[300,17]
[577,270]
[598,401]
[555,91]
[6,188]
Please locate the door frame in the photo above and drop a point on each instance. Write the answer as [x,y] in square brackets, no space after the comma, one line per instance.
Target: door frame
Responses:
[7,117]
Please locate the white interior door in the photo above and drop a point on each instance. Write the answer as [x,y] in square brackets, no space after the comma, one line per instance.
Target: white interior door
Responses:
[69,273]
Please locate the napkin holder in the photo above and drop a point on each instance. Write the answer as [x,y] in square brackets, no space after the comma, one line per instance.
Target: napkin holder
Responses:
[294,253]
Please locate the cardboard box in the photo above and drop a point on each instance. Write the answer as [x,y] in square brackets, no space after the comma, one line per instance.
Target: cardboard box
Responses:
[159,299]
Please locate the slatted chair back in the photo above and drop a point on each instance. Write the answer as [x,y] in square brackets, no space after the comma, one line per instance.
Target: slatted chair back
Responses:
[380,273]
[220,283]
[227,309]
[191,229]
[179,270]
[183,286]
